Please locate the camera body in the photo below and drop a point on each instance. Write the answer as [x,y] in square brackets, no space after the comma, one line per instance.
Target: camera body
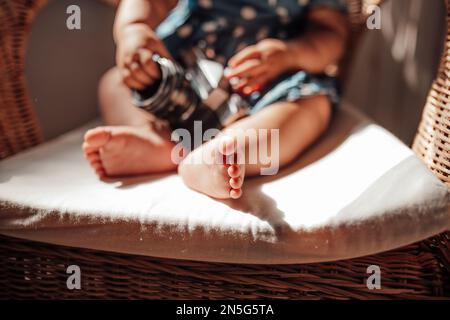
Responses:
[197,92]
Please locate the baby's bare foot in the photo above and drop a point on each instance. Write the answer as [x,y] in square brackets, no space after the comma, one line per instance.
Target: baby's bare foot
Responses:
[120,151]
[208,170]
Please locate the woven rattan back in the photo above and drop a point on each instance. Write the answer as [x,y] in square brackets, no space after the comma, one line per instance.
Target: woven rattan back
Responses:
[19,127]
[432,142]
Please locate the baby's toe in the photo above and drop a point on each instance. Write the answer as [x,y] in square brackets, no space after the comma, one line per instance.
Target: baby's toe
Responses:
[97,166]
[93,157]
[227,145]
[234,171]
[236,183]
[99,169]
[88,149]
[97,138]
[101,173]
[235,193]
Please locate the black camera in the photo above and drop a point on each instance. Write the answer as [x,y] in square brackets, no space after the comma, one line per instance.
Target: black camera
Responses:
[197,92]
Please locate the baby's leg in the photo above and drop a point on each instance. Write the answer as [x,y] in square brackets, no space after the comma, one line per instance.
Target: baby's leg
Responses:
[300,123]
[115,102]
[133,142]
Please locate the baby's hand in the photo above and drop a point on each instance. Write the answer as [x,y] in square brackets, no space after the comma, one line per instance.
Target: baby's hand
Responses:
[135,47]
[258,64]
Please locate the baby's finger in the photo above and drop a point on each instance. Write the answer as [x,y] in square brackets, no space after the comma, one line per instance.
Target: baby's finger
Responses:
[248,90]
[147,63]
[256,82]
[129,59]
[157,46]
[250,52]
[139,74]
[130,81]
[241,84]
[247,69]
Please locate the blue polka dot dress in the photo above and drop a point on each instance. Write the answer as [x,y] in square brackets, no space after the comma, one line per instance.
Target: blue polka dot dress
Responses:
[220,28]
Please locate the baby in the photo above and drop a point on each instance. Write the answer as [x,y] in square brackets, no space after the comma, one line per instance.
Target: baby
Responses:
[276,52]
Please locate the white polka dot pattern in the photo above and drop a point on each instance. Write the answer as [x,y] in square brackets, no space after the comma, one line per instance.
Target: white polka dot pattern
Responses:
[263,33]
[222,22]
[282,12]
[238,31]
[185,31]
[211,38]
[206,4]
[248,13]
[209,26]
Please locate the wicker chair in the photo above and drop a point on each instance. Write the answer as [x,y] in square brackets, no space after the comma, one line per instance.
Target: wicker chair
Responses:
[31,270]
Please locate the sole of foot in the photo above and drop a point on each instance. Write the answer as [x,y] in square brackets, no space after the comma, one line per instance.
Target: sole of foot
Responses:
[213,169]
[123,151]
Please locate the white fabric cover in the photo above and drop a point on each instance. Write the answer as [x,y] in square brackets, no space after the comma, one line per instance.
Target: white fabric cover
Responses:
[357,191]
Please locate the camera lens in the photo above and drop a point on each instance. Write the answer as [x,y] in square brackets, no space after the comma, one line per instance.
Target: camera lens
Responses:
[172,98]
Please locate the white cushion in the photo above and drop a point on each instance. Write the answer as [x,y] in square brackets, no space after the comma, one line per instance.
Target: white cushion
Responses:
[357,191]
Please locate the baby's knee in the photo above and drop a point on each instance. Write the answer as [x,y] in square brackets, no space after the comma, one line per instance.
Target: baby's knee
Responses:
[109,81]
[321,108]
[325,109]
[108,87]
